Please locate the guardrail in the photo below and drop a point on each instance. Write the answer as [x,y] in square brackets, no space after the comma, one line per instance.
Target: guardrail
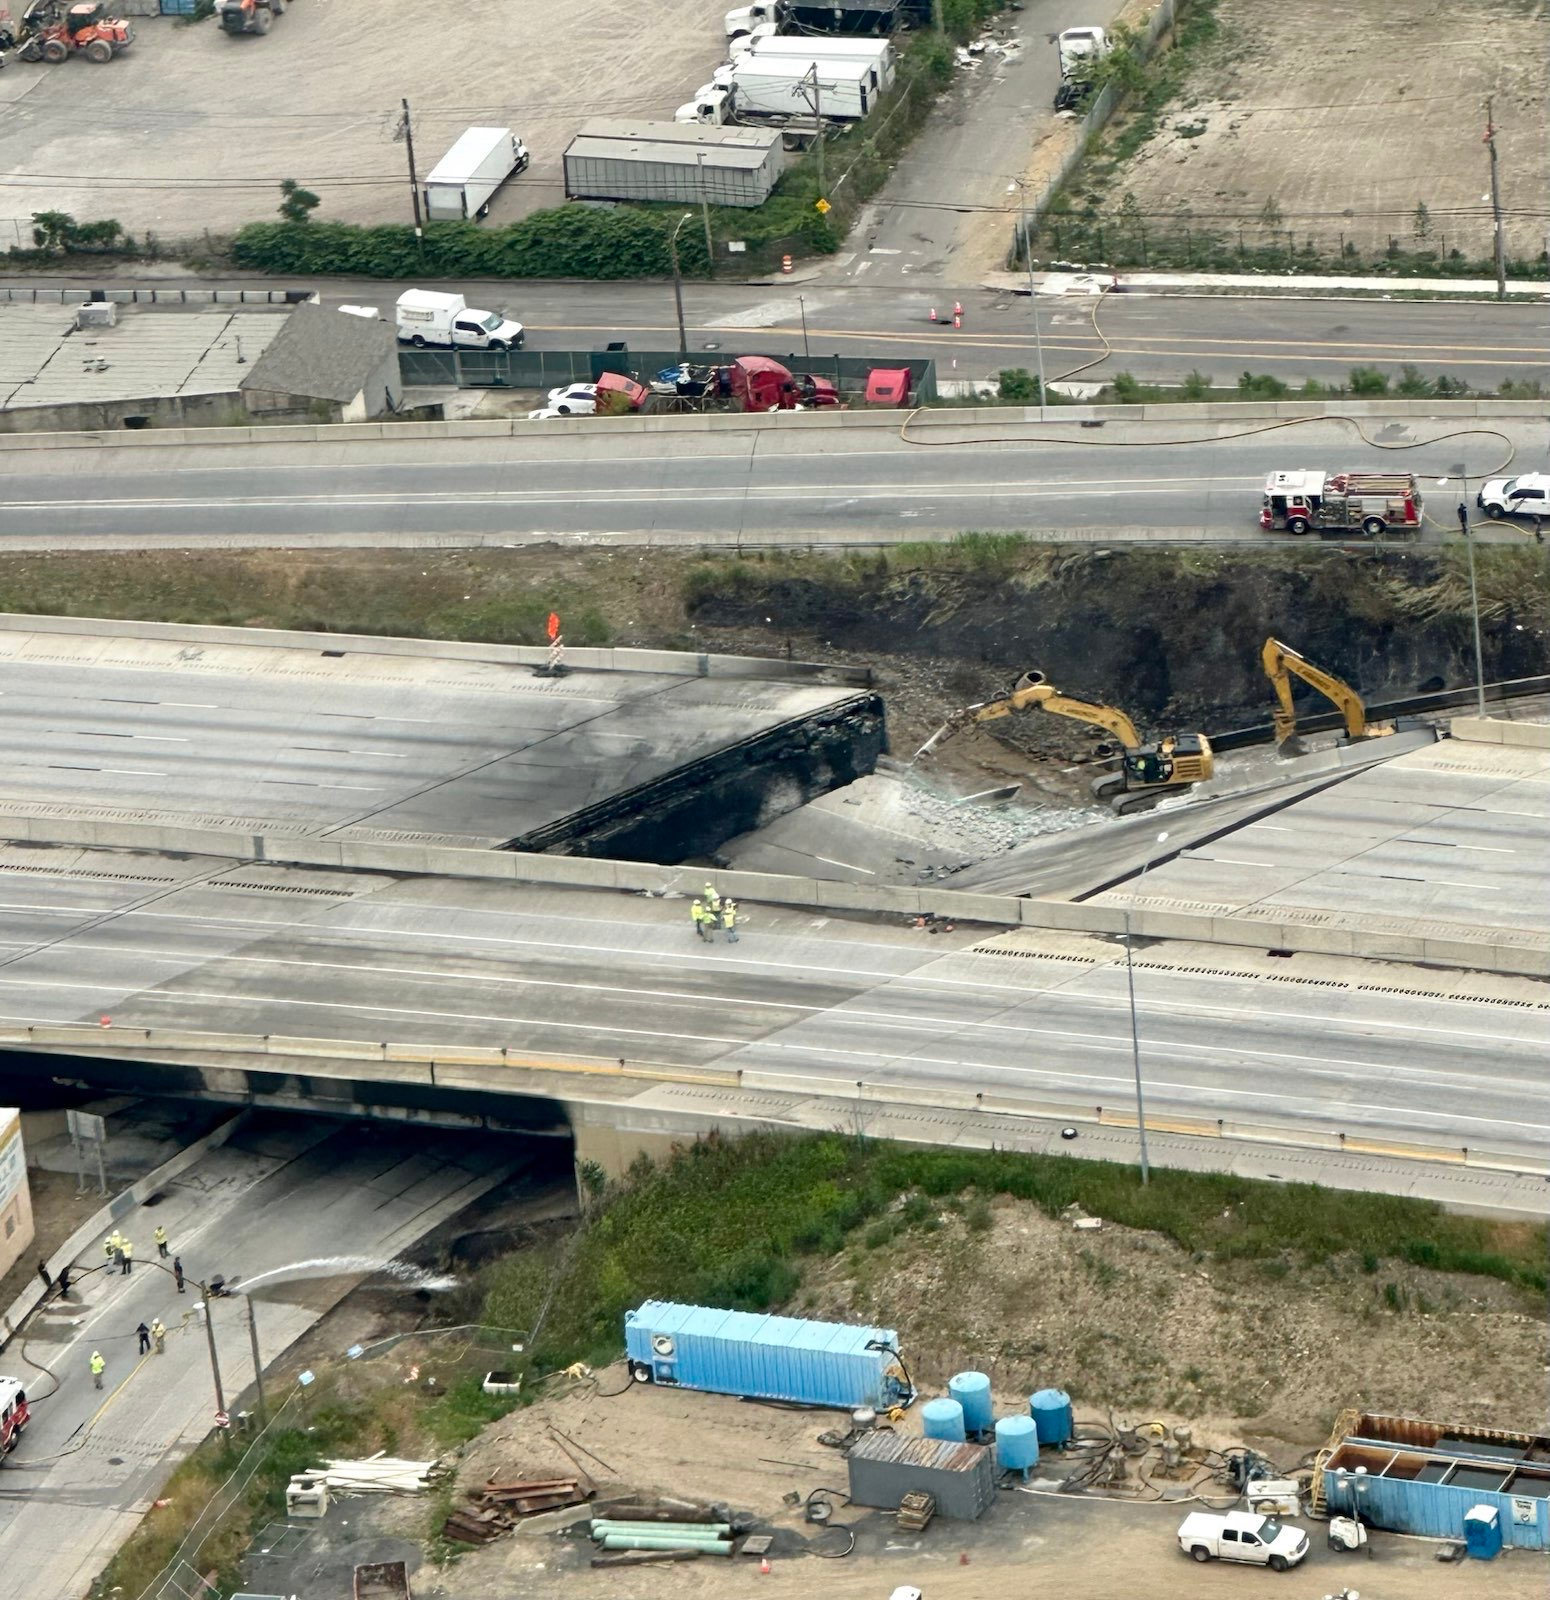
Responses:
[469,1066]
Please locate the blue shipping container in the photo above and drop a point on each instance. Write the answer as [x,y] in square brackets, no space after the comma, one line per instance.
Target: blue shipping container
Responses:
[765,1357]
[1437,1510]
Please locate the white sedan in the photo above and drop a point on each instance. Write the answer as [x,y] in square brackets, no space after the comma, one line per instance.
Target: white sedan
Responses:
[573,399]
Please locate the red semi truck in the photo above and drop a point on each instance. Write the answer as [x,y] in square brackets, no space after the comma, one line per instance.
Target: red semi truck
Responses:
[748,383]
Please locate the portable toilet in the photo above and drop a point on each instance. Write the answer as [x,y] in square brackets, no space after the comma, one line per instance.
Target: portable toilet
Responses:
[1483,1532]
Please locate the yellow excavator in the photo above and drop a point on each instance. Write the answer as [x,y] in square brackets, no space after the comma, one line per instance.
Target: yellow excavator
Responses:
[1146,772]
[1282,664]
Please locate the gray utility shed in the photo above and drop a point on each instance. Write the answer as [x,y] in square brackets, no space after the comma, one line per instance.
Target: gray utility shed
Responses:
[347,362]
[961,1478]
[679,162]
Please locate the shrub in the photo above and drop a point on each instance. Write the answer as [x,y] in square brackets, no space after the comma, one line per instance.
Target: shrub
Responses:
[1368,381]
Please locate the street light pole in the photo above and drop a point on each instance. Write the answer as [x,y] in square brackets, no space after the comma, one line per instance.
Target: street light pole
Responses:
[1135,1032]
[1461,472]
[215,1365]
[1033,293]
[710,246]
[807,354]
[678,285]
[1499,241]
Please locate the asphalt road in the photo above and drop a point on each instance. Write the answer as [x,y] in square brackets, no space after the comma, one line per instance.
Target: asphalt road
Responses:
[281,1192]
[583,973]
[596,479]
[1155,337]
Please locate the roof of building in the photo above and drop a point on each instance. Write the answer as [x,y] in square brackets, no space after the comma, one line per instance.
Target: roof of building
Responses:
[45,360]
[323,355]
[697,135]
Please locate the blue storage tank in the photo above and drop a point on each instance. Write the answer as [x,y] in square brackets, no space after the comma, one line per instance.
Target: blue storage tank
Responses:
[943,1419]
[768,1358]
[972,1391]
[1017,1444]
[1051,1412]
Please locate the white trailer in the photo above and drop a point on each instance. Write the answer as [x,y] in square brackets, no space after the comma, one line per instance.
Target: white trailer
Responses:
[805,48]
[462,183]
[844,91]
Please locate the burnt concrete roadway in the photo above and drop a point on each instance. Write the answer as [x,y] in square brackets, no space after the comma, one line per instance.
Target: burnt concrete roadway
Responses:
[801,480]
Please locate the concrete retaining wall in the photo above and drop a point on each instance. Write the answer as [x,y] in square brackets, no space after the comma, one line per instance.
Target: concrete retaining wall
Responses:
[920,423]
[1490,730]
[1502,950]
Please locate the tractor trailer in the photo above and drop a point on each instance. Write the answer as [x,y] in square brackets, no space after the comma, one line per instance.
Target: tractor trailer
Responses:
[751,90]
[876,17]
[462,184]
[819,52]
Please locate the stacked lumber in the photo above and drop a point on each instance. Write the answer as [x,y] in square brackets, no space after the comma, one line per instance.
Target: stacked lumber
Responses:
[502,1503]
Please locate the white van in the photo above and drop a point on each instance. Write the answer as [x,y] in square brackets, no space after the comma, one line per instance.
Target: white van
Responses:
[426,317]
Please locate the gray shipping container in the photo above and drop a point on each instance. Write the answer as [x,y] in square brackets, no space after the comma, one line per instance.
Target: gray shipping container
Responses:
[961,1478]
[677,162]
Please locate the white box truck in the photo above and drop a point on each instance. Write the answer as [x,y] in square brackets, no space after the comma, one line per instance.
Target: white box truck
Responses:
[464,181]
[812,51]
[846,91]
[426,316]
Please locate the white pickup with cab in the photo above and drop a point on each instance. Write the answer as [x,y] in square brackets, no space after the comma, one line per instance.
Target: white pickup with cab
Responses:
[1242,1536]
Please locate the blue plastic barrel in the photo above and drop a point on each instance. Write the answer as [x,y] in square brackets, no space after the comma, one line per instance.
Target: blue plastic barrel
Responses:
[943,1419]
[1051,1412]
[972,1391]
[1017,1444]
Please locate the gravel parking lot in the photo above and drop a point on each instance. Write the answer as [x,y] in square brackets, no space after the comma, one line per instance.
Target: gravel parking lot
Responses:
[192,130]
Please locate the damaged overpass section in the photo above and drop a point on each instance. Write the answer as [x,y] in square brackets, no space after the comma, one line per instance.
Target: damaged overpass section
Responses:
[697,807]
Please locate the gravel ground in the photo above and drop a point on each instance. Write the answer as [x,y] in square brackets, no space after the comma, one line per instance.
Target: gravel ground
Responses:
[191,130]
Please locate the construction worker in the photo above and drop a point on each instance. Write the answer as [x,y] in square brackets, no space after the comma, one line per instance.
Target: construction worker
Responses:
[126,1256]
[701,919]
[143,1333]
[177,1272]
[110,1245]
[159,1334]
[98,1366]
[160,1237]
[712,900]
[729,919]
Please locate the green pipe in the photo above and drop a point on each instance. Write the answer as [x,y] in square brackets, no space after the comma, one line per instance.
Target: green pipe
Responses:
[649,1541]
[602,1525]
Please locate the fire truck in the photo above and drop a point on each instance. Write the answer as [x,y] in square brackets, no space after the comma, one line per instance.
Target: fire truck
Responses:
[13,1414]
[1370,503]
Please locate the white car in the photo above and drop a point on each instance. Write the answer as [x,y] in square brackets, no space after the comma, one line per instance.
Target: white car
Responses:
[546,414]
[573,399]
[1525,496]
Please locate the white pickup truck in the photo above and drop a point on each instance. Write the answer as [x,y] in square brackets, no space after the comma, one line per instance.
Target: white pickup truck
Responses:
[1242,1536]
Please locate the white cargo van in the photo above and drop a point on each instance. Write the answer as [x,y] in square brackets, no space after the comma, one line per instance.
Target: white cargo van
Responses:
[426,316]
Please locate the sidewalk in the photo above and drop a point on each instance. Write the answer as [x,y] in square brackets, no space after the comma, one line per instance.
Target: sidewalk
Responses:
[1105,278]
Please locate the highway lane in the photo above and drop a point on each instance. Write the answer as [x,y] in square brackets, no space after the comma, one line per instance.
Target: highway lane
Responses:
[587,974]
[621,480]
[1156,337]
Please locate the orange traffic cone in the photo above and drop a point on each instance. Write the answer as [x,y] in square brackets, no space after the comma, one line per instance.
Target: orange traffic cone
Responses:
[934,316]
[957,319]
[957,308]
[764,1564]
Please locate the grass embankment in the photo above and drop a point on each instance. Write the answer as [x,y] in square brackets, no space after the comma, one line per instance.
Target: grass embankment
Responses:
[729,1224]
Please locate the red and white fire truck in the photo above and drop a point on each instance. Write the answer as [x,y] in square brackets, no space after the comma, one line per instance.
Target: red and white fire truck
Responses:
[1370,503]
[13,1414]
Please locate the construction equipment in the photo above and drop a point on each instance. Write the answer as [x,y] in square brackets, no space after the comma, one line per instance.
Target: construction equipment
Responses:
[1282,664]
[1146,772]
[52,32]
[248,16]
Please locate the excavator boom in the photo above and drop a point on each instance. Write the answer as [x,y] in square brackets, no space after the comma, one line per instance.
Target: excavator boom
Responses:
[1281,664]
[1029,691]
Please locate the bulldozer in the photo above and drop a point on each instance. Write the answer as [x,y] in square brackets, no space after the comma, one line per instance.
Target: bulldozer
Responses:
[1146,772]
[52,32]
[1282,664]
[248,16]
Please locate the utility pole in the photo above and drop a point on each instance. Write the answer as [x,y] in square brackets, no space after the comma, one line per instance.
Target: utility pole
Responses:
[937,23]
[215,1365]
[1496,205]
[710,246]
[407,128]
[812,78]
[1461,472]
[258,1365]
[1033,293]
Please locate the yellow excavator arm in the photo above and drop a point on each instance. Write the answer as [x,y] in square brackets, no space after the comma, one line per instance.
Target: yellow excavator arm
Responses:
[1032,691]
[1281,664]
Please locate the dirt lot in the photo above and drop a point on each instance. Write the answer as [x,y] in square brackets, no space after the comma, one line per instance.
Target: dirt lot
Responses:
[192,130]
[1340,112]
